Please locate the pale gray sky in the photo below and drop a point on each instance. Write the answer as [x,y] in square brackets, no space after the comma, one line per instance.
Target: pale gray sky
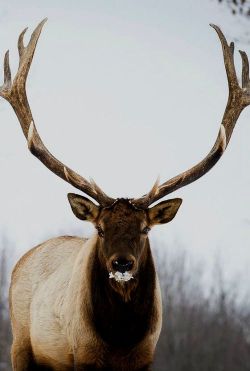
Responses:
[124,91]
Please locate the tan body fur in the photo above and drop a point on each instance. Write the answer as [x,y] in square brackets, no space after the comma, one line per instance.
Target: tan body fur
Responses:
[50,299]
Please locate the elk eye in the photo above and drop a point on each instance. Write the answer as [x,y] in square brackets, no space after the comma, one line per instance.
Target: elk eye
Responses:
[100,231]
[145,230]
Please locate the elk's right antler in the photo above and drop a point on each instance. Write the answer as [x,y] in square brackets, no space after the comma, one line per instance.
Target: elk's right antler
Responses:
[15,94]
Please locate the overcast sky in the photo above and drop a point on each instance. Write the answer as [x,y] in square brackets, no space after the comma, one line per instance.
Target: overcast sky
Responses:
[124,91]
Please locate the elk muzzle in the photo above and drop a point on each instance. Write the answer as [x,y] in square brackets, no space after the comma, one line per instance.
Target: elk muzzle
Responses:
[122,267]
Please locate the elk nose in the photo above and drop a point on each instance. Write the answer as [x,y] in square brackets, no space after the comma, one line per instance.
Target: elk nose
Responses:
[122,265]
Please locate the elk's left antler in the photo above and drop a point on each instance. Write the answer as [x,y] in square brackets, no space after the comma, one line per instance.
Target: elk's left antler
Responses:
[239,98]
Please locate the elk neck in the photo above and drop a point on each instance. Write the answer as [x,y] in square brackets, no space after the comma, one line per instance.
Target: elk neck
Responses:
[123,323]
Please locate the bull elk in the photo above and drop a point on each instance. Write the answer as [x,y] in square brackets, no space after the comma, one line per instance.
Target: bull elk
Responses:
[95,304]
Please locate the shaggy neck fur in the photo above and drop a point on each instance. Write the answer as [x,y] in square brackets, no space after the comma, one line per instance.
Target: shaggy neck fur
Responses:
[122,324]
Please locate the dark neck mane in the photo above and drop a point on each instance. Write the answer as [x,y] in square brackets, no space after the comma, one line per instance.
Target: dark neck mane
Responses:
[120,324]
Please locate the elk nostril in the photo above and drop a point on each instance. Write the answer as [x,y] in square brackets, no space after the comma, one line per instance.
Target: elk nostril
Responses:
[122,265]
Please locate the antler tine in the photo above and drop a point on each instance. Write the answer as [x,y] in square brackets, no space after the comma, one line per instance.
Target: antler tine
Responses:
[238,99]
[7,71]
[146,200]
[228,53]
[245,70]
[15,94]
[20,44]
[26,53]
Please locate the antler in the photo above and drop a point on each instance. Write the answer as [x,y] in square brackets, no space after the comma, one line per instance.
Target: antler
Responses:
[15,94]
[238,99]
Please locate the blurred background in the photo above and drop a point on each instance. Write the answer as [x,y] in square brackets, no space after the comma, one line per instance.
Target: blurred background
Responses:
[123,92]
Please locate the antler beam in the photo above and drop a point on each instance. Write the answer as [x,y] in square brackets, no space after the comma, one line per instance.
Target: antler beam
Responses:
[15,94]
[238,99]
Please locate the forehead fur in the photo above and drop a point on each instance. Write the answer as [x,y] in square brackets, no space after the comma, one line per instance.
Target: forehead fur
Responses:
[122,211]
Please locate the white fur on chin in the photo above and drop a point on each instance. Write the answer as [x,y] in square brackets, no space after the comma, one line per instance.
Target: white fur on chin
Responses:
[121,277]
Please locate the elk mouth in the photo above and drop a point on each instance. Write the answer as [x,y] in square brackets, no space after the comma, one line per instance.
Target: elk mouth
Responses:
[121,277]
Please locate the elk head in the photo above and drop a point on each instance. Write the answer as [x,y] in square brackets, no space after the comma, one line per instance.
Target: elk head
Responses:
[123,224]
[122,230]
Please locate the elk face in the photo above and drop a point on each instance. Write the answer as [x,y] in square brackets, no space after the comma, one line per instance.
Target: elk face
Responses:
[123,233]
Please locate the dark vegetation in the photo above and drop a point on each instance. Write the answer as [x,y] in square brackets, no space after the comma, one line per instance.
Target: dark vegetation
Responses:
[203,330]
[241,7]
[240,11]
[5,331]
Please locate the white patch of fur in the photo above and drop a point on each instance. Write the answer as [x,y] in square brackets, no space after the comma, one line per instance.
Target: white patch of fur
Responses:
[66,173]
[121,277]
[30,133]
[223,137]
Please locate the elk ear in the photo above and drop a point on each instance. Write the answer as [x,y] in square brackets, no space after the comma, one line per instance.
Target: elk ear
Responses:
[83,208]
[164,212]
